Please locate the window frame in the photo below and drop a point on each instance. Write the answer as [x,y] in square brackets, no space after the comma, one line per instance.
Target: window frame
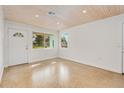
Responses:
[51,46]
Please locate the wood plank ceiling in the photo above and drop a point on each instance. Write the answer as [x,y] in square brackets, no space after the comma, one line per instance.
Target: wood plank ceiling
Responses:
[60,17]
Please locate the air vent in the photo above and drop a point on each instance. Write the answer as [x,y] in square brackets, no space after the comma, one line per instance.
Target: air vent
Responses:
[51,13]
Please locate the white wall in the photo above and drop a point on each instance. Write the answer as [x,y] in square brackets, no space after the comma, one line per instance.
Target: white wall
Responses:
[97,43]
[33,54]
[1,42]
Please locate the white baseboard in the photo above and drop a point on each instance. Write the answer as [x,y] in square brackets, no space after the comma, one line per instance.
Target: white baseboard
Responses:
[79,61]
[33,61]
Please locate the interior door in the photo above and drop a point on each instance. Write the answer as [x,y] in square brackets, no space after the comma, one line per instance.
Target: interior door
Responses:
[18,53]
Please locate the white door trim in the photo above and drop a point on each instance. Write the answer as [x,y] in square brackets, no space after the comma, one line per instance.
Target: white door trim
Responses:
[122,49]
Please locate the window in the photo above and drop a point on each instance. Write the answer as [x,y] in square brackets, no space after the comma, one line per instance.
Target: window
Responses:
[42,40]
[38,40]
[48,41]
[18,34]
[64,40]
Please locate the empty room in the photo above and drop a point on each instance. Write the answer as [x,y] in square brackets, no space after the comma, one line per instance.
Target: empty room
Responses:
[61,46]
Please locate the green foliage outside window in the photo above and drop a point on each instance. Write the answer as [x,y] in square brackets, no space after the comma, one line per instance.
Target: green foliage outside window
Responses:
[64,40]
[41,40]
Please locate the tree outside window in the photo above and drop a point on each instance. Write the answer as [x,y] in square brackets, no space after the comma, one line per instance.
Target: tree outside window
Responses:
[42,40]
[64,40]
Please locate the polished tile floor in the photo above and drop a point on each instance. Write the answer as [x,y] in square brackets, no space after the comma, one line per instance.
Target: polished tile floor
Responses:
[59,73]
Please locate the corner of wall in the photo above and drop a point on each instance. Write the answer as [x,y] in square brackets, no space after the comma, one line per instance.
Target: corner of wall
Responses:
[1,42]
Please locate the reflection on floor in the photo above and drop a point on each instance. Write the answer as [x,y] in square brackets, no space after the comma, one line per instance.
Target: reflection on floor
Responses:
[59,73]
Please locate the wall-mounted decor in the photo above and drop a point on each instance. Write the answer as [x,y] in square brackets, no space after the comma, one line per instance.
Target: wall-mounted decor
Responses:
[18,34]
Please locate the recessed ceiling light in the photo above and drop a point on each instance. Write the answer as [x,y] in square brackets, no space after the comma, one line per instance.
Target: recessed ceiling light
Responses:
[84,11]
[36,15]
[58,23]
